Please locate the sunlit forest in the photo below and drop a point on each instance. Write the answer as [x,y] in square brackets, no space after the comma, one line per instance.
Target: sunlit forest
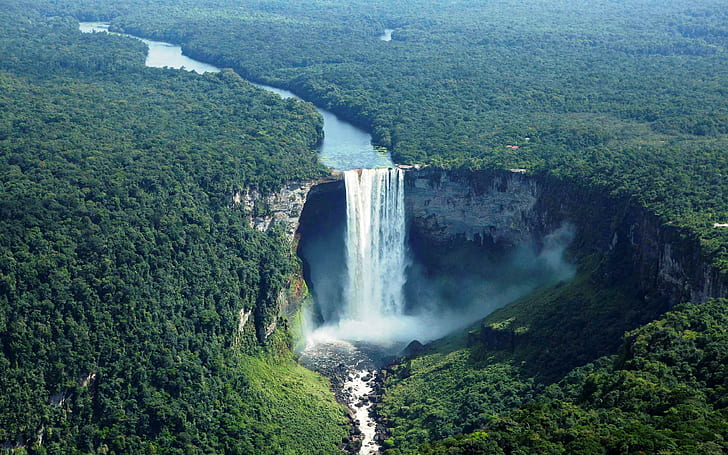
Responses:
[126,265]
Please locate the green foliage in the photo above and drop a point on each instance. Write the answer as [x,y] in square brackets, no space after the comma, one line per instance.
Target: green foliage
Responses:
[116,187]
[459,386]
[439,395]
[624,97]
[284,408]
[125,264]
[664,393]
[555,329]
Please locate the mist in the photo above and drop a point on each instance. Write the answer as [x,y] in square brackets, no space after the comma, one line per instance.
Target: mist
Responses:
[447,288]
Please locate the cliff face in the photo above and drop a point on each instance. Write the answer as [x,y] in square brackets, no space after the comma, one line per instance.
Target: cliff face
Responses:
[505,208]
[667,260]
[501,209]
[446,206]
[283,207]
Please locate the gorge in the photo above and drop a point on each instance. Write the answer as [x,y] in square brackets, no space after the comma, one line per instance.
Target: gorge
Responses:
[512,214]
[481,214]
[455,253]
[467,208]
[479,239]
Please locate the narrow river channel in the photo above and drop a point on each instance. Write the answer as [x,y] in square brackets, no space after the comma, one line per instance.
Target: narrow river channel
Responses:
[352,368]
[344,147]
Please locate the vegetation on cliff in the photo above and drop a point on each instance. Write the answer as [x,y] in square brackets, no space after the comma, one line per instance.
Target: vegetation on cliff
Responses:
[664,392]
[506,360]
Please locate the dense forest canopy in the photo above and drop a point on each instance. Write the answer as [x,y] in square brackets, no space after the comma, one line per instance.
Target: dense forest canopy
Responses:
[628,97]
[664,392]
[124,264]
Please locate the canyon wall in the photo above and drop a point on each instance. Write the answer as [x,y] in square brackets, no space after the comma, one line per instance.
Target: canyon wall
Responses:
[283,208]
[504,208]
[481,207]
[501,209]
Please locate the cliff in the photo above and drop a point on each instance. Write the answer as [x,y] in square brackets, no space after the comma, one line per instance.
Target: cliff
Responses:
[283,208]
[503,208]
[482,207]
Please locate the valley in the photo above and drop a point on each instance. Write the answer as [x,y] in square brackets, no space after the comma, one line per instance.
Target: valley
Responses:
[542,271]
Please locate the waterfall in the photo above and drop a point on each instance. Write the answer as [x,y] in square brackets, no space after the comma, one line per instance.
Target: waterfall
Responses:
[375,243]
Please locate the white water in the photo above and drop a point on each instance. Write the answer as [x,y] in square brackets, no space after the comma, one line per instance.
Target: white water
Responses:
[375,242]
[376,257]
[352,369]
[360,390]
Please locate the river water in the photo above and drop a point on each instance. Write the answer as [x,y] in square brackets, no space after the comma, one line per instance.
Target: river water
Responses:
[344,147]
[351,367]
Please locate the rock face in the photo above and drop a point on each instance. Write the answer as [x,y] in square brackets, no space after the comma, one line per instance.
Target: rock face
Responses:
[413,349]
[503,208]
[281,207]
[474,206]
[500,209]
[666,259]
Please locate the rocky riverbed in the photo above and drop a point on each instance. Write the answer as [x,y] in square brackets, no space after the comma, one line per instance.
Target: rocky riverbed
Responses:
[356,378]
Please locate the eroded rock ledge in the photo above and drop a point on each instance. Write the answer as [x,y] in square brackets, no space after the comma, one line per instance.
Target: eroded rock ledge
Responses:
[283,206]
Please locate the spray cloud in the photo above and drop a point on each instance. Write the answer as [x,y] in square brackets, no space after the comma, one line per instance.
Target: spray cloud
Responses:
[386,295]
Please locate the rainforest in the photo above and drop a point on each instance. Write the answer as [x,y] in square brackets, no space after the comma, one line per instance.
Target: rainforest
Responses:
[190,263]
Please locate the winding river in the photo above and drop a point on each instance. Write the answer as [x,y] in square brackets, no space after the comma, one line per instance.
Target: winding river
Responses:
[351,368]
[344,147]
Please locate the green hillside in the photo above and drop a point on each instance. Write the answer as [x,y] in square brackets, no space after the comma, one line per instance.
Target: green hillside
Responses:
[664,392]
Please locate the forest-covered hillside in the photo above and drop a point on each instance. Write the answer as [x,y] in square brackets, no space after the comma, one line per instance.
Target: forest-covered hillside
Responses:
[124,265]
[628,97]
[664,392]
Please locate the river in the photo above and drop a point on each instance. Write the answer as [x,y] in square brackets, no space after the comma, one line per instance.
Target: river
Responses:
[351,368]
[344,147]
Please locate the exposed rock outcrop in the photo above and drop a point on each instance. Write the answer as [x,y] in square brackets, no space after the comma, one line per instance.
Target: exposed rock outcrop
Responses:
[282,207]
[474,206]
[503,208]
[413,349]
